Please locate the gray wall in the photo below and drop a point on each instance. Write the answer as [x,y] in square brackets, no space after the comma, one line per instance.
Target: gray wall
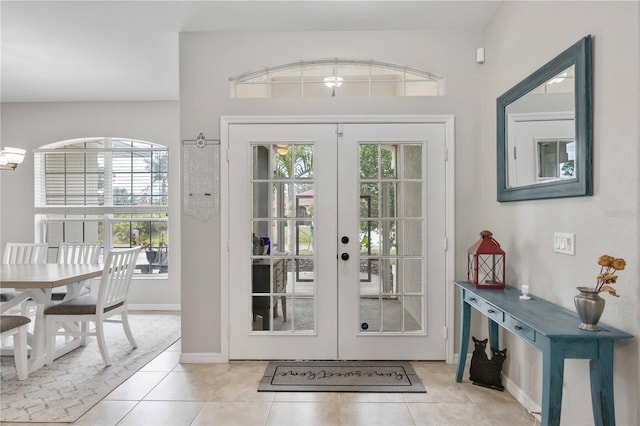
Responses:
[32,125]
[522,37]
[207,60]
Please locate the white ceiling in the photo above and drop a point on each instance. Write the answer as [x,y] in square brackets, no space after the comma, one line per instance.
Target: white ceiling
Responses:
[128,50]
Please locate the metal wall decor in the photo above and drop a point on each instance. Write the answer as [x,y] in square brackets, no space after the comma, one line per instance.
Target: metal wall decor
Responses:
[201,177]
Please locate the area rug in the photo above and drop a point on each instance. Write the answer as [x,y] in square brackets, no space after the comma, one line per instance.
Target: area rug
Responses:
[65,390]
[341,376]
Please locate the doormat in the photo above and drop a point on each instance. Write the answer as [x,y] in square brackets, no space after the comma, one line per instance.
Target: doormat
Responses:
[341,376]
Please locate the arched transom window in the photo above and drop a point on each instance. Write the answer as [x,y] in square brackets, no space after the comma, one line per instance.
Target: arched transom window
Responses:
[335,77]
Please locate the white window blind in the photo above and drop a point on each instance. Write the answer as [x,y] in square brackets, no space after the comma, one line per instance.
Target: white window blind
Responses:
[105,172]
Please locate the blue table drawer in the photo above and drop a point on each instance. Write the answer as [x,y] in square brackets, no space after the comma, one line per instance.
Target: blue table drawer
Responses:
[486,308]
[474,300]
[492,312]
[519,328]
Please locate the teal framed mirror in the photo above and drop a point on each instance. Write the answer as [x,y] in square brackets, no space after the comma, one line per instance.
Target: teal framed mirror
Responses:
[545,130]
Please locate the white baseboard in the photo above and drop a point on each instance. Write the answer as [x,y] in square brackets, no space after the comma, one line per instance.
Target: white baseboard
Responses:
[522,397]
[456,357]
[203,358]
[155,307]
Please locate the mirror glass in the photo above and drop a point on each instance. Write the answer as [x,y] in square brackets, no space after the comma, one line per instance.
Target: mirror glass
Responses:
[541,133]
[544,130]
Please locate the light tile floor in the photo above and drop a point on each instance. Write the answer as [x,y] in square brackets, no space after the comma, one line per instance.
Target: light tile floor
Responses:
[166,392]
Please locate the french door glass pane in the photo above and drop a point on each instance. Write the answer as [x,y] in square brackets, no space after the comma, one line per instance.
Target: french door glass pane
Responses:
[369,237]
[282,161]
[387,234]
[392,312]
[370,314]
[412,161]
[303,162]
[412,196]
[391,209]
[303,279]
[260,157]
[413,313]
[283,198]
[304,313]
[388,161]
[410,276]
[369,161]
[410,240]
[369,199]
[369,277]
[388,193]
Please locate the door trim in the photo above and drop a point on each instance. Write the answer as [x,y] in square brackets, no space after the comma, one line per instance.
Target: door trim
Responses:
[449,244]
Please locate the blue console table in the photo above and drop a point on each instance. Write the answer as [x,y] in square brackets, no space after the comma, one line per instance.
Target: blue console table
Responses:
[554,331]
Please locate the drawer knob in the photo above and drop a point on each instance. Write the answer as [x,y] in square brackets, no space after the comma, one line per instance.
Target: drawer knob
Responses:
[517,327]
[473,299]
[491,311]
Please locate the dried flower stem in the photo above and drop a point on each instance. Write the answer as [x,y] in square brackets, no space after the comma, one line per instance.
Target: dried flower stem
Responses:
[608,267]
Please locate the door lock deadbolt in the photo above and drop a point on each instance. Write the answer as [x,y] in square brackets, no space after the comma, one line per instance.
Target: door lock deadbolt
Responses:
[344,239]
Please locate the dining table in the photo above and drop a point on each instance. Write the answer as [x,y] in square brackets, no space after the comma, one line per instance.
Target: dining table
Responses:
[36,282]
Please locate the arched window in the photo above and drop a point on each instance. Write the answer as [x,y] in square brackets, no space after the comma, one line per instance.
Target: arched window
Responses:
[112,190]
[335,77]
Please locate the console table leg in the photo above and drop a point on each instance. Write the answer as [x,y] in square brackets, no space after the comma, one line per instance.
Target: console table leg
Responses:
[493,335]
[552,378]
[465,320]
[601,375]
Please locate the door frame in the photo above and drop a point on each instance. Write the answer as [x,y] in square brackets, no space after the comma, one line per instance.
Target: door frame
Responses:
[449,243]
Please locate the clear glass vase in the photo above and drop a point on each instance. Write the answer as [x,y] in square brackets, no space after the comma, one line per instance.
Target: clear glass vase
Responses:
[590,306]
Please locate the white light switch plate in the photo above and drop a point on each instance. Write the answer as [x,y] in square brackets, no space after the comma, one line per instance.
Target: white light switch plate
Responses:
[564,243]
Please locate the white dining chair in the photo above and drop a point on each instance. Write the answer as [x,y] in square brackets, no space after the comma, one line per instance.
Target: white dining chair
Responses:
[16,326]
[22,253]
[25,253]
[77,254]
[111,300]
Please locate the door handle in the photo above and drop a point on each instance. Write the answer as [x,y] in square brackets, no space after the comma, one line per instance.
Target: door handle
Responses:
[344,256]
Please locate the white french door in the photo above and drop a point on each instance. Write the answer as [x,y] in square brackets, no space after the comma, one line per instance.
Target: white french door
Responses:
[391,198]
[337,241]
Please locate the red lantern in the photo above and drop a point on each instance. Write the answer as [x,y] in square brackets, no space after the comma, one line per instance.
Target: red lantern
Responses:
[486,263]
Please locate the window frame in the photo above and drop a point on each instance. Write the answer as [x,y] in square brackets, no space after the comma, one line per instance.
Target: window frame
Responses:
[333,66]
[106,212]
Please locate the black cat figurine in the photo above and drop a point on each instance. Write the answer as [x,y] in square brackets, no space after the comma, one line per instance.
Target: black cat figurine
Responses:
[479,360]
[495,371]
[484,371]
